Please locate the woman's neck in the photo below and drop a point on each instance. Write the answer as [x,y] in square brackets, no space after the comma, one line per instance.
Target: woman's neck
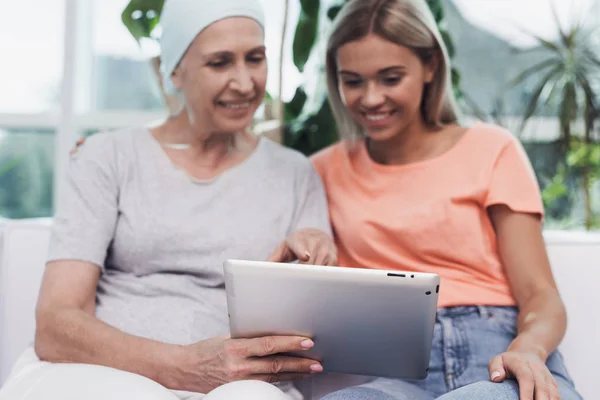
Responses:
[411,144]
[199,145]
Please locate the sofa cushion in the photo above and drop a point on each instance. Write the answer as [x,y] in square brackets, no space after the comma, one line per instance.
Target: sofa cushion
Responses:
[21,269]
[574,259]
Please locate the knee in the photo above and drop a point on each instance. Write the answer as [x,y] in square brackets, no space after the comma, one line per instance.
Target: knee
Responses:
[79,381]
[247,390]
[113,383]
[507,390]
[357,393]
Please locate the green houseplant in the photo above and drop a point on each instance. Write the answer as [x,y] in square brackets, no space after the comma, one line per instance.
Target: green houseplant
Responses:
[564,84]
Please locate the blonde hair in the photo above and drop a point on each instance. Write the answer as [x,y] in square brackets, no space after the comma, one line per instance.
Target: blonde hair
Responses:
[408,23]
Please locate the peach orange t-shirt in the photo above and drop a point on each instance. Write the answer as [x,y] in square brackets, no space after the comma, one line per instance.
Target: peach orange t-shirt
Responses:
[430,216]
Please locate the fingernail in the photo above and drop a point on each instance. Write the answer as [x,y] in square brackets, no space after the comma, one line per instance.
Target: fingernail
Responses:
[316,368]
[307,344]
[495,375]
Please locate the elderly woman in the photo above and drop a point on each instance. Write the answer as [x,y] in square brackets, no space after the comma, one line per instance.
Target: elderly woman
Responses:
[132,304]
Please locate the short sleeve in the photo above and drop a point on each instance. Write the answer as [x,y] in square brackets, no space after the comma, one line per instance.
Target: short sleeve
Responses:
[323,160]
[513,181]
[319,161]
[311,208]
[86,216]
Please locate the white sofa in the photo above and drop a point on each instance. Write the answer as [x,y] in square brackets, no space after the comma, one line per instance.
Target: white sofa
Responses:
[575,260]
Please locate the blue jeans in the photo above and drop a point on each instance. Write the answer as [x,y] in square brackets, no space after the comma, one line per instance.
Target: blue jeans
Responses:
[465,340]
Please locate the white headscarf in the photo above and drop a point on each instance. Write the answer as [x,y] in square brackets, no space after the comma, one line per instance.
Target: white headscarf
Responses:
[183,20]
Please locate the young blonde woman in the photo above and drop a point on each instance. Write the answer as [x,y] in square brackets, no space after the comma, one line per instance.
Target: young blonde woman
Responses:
[411,189]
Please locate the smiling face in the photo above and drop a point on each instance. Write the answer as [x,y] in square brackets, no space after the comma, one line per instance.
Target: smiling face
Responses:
[223,75]
[381,84]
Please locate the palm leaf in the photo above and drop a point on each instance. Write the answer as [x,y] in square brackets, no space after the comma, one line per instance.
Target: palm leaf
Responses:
[590,95]
[564,36]
[534,70]
[543,42]
[568,109]
[589,116]
[584,34]
[552,94]
[474,107]
[533,102]
[590,111]
[592,57]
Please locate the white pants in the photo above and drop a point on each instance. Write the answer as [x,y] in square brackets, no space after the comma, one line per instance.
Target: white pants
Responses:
[32,379]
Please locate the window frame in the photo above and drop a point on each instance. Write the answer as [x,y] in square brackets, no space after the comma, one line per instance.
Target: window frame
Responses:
[75,115]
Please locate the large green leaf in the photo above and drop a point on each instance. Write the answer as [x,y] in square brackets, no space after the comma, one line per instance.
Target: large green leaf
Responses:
[449,43]
[310,7]
[141,17]
[437,9]
[304,39]
[295,106]
[456,77]
[313,132]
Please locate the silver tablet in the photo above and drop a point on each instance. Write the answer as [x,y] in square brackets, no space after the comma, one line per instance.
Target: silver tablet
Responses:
[363,321]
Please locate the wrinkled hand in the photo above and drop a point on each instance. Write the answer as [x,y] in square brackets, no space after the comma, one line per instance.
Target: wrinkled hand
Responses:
[214,362]
[308,246]
[535,380]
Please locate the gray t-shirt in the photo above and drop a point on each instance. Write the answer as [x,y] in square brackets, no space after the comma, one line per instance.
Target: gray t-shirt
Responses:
[160,237]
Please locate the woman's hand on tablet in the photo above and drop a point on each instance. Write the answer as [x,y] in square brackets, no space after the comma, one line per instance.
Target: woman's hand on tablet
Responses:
[214,362]
[308,246]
